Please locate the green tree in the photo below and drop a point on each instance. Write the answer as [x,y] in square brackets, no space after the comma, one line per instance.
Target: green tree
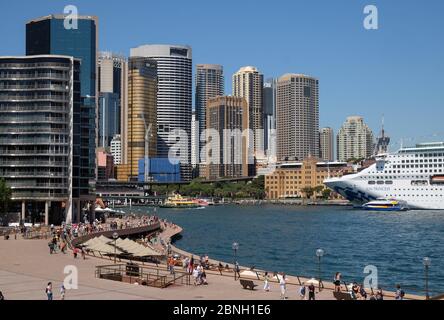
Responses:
[308,192]
[5,197]
[326,193]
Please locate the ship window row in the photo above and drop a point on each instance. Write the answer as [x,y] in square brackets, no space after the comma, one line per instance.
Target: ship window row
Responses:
[388,182]
[403,172]
[419,161]
[408,166]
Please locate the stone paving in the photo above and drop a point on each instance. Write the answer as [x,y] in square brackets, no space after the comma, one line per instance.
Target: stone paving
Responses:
[26,267]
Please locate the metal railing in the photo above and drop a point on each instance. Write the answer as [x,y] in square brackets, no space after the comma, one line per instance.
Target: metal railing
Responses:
[143,275]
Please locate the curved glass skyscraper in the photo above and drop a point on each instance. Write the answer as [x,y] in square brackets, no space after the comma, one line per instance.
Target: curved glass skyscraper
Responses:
[174,100]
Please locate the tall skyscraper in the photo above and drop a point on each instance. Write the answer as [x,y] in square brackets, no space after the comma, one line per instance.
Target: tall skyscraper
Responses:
[269,112]
[40,136]
[248,83]
[355,140]
[140,140]
[48,35]
[227,155]
[174,101]
[113,90]
[209,84]
[297,117]
[326,144]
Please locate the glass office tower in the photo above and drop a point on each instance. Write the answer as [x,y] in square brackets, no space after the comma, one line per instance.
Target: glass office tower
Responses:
[47,35]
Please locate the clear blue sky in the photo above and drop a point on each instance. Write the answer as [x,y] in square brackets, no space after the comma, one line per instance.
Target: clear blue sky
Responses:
[397,70]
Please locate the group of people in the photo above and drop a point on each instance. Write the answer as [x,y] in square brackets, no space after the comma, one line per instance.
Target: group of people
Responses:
[50,294]
[302,292]
[199,275]
[358,292]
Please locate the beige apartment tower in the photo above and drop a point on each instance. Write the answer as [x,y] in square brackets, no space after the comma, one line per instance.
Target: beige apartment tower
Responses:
[248,83]
[326,144]
[297,117]
[140,125]
[355,140]
[227,151]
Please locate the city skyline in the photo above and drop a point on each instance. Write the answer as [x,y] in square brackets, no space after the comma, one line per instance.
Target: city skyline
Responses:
[339,45]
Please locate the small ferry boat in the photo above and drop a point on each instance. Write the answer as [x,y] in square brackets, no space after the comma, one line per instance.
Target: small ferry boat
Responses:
[179,202]
[386,205]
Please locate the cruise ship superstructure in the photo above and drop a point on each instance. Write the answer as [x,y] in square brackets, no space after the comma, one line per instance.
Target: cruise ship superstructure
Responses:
[414,175]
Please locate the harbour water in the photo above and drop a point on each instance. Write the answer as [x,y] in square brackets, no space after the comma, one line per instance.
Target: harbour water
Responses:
[285,239]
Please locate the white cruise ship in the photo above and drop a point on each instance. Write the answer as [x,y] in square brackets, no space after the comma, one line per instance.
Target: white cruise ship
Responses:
[414,175]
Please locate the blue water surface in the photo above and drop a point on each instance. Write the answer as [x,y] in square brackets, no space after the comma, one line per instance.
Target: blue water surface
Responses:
[285,239]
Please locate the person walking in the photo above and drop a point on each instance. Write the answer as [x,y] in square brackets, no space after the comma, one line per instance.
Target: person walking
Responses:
[236,271]
[283,287]
[266,282]
[337,282]
[62,292]
[49,291]
[302,292]
[400,294]
[311,292]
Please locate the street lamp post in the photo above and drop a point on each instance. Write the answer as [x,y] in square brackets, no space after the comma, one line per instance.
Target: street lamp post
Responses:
[115,237]
[427,262]
[319,253]
[148,135]
[235,247]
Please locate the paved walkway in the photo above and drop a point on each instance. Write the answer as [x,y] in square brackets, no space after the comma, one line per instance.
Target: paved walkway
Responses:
[26,267]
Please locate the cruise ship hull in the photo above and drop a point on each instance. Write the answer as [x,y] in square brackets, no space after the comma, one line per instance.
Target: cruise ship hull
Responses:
[412,175]
[360,194]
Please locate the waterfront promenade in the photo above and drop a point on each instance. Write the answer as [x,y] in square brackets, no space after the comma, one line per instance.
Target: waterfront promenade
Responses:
[26,267]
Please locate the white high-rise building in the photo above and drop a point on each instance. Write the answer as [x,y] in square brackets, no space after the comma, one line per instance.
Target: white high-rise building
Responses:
[116,149]
[355,140]
[174,100]
[194,141]
[326,144]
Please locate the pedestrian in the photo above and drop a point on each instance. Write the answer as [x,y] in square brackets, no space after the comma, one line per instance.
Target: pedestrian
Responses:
[236,270]
[49,291]
[62,292]
[50,246]
[196,276]
[311,292]
[63,247]
[266,282]
[191,265]
[380,295]
[362,292]
[283,286]
[302,292]
[400,294]
[54,244]
[337,282]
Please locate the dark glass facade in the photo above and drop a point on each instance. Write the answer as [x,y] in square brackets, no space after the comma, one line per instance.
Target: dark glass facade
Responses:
[49,36]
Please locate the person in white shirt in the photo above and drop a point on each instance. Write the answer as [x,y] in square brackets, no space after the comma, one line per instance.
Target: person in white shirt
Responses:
[283,286]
